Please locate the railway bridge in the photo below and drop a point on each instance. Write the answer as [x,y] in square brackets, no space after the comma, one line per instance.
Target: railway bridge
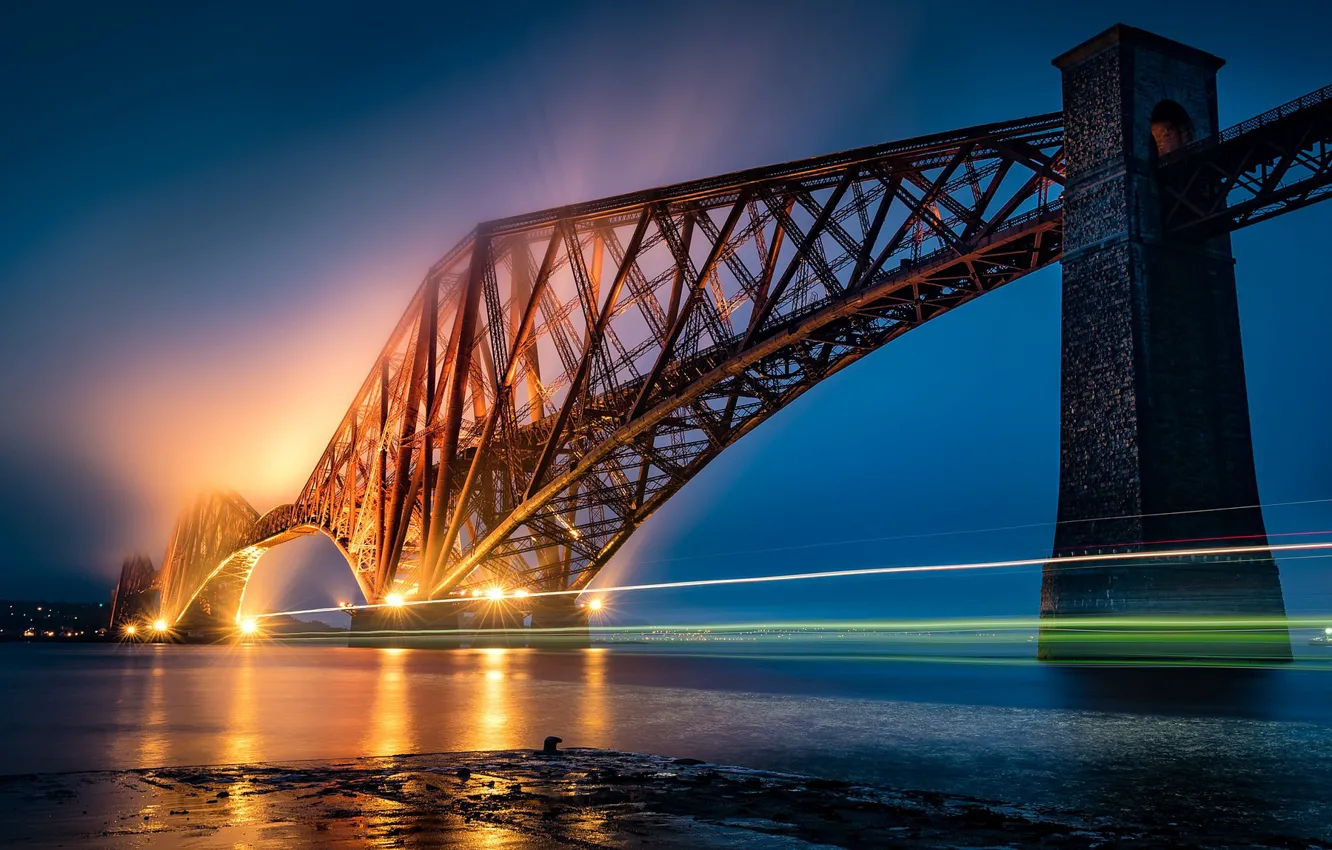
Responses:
[559,375]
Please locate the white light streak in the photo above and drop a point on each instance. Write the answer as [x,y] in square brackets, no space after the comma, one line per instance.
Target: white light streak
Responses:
[874,571]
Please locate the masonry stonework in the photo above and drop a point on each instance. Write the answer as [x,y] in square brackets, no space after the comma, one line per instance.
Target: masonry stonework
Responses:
[1155,446]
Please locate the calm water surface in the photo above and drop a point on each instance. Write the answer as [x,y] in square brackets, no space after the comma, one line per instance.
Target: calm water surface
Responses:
[1254,747]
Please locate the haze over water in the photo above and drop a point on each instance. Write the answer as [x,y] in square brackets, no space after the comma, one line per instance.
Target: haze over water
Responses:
[1248,747]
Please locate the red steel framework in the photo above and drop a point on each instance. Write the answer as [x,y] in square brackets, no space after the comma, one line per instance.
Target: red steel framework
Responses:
[559,375]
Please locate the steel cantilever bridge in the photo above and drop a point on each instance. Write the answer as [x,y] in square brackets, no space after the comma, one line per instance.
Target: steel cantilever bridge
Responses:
[558,376]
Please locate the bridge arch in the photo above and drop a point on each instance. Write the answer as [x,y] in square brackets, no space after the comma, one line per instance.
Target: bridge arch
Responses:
[213,552]
[559,375]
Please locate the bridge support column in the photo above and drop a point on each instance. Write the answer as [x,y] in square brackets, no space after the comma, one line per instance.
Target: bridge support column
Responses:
[1155,446]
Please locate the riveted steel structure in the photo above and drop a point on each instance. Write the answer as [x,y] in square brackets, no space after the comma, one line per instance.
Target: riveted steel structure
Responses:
[135,597]
[558,376]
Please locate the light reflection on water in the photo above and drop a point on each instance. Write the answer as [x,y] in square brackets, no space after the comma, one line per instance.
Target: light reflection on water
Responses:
[388,722]
[1180,745]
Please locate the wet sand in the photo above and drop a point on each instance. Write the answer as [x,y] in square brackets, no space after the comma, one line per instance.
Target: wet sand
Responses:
[521,798]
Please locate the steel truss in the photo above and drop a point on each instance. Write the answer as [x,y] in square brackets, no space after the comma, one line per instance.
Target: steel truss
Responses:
[559,375]
[1271,164]
[131,599]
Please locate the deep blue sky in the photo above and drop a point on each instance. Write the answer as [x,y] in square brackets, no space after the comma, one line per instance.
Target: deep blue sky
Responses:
[214,213]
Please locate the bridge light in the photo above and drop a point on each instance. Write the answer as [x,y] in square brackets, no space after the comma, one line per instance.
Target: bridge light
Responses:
[476,591]
[160,625]
[131,629]
[495,594]
[594,604]
[394,600]
[249,626]
[519,593]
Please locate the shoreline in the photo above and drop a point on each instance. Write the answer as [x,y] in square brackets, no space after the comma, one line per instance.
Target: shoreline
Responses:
[578,798]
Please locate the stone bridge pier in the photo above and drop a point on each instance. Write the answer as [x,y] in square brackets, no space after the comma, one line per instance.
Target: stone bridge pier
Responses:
[1155,447]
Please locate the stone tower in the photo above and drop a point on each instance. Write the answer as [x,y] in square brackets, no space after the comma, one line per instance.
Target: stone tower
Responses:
[1155,449]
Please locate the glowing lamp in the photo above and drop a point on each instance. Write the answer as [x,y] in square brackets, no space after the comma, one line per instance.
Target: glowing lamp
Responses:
[519,593]
[249,626]
[495,593]
[594,604]
[394,600]
[130,629]
[159,625]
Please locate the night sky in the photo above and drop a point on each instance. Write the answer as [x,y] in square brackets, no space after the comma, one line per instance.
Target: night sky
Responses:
[214,213]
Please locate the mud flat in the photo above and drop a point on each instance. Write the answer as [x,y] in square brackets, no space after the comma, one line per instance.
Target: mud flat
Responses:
[521,798]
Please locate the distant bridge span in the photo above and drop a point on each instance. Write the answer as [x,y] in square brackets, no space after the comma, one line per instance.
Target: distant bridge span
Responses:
[559,375]
[610,350]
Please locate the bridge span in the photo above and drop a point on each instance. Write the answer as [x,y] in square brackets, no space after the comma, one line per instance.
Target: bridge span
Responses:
[559,375]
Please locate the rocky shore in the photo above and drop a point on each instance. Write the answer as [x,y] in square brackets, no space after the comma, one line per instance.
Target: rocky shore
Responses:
[523,798]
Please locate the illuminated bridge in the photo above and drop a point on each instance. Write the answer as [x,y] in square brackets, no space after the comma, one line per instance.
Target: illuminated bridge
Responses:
[558,376]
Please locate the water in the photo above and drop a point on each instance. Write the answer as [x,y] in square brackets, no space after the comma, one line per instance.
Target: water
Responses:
[1249,748]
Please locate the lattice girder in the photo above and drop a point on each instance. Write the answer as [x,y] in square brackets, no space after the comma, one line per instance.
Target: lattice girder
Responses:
[558,376]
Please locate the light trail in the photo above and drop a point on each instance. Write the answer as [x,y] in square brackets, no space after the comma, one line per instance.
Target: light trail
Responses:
[866,571]
[995,529]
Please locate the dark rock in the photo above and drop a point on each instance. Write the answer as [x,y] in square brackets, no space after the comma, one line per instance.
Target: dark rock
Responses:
[551,746]
[605,796]
[687,762]
[978,816]
[463,773]
[221,794]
